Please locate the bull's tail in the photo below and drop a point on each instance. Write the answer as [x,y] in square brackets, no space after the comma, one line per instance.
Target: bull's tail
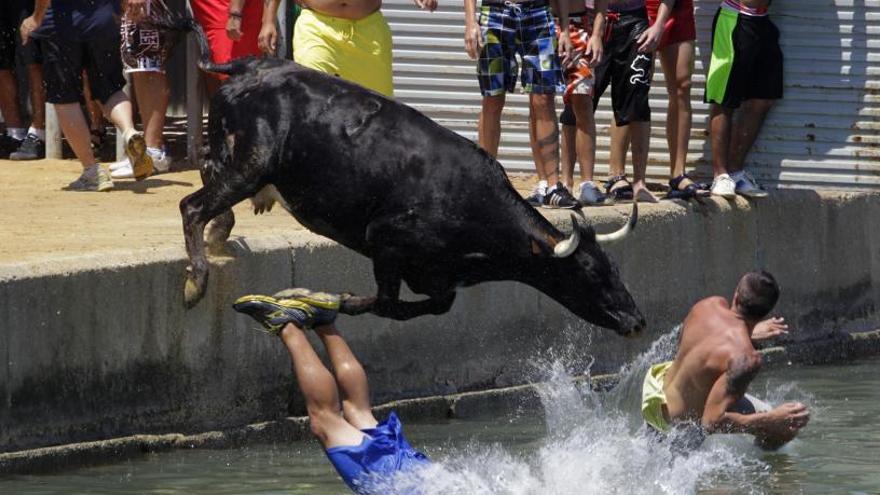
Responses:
[181,25]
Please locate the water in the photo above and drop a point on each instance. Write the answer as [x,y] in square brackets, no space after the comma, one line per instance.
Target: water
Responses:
[583,443]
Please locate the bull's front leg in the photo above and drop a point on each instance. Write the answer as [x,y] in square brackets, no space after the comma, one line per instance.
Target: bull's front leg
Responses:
[387,302]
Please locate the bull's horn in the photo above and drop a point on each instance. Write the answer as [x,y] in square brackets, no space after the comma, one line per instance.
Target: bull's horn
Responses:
[624,231]
[565,248]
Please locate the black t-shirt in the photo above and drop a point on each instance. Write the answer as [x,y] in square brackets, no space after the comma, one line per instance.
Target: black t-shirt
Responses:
[81,20]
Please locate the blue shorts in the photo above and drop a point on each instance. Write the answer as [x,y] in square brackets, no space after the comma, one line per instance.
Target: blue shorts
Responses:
[529,32]
[382,454]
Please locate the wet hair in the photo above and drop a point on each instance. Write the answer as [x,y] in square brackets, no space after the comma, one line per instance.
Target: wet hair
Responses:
[756,295]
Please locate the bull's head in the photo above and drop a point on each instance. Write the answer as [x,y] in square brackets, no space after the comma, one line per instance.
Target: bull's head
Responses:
[581,277]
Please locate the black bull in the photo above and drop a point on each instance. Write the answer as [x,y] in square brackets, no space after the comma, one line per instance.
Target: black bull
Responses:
[426,205]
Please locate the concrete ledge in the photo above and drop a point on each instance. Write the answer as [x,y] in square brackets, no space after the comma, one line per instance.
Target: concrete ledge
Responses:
[521,399]
[100,346]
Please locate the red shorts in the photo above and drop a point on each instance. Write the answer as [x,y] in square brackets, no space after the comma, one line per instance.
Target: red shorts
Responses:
[681,25]
[213,15]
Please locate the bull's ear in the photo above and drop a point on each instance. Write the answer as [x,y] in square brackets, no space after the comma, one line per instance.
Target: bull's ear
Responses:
[353,111]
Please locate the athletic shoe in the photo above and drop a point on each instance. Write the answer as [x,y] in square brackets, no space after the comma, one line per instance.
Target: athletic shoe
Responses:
[559,197]
[590,195]
[123,170]
[32,148]
[746,185]
[8,145]
[724,186]
[302,307]
[95,178]
[136,149]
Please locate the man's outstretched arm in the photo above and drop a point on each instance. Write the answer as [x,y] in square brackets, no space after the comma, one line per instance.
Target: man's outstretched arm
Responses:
[772,429]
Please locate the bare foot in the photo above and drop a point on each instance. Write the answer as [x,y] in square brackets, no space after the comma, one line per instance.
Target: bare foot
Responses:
[642,194]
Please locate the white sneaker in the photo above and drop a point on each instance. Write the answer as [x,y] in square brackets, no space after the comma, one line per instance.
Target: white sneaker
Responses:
[746,185]
[123,169]
[724,186]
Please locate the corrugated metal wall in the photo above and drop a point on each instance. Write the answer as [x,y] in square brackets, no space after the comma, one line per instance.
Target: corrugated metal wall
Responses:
[823,134]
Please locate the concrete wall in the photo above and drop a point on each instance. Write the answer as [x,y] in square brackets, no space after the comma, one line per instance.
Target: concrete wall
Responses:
[100,346]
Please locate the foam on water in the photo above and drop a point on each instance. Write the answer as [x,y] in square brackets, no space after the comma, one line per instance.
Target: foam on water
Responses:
[595,443]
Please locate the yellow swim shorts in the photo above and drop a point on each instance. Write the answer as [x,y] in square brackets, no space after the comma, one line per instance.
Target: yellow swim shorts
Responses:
[358,51]
[654,398]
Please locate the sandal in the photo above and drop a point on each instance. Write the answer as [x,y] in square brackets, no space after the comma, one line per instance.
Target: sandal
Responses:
[619,188]
[676,191]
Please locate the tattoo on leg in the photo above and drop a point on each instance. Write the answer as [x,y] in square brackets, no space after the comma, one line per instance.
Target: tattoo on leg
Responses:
[549,146]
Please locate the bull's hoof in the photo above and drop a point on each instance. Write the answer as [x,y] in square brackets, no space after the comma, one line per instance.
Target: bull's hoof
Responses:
[192,293]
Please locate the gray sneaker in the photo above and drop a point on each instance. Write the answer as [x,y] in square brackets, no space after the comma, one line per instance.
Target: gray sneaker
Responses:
[590,195]
[747,186]
[95,178]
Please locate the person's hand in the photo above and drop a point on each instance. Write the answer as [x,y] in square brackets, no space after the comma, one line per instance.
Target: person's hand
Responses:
[565,50]
[473,40]
[27,27]
[135,10]
[650,39]
[770,328]
[233,28]
[268,38]
[595,50]
[430,5]
[783,424]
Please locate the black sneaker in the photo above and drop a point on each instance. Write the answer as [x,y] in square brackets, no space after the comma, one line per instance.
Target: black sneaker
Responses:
[8,144]
[560,197]
[32,148]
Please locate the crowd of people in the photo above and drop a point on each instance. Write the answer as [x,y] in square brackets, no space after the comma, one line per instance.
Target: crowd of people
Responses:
[572,48]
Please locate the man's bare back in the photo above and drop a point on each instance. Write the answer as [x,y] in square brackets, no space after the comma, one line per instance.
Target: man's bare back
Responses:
[714,365]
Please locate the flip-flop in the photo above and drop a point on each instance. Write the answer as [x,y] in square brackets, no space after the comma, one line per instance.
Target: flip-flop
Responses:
[621,192]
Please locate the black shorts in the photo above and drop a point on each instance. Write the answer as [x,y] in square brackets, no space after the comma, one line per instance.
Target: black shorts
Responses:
[11,49]
[65,59]
[627,71]
[746,60]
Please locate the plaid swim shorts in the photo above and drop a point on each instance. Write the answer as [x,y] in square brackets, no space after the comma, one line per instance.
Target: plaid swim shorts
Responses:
[512,30]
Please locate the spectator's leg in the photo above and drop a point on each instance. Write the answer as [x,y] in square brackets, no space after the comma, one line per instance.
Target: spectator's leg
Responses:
[319,389]
[544,135]
[568,154]
[350,378]
[96,114]
[9,100]
[489,127]
[151,92]
[76,131]
[641,137]
[677,62]
[619,146]
[745,131]
[118,110]
[719,125]
[38,96]
[586,134]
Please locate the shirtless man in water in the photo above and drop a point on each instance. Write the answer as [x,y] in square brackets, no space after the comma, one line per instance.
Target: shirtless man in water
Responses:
[715,363]
[346,38]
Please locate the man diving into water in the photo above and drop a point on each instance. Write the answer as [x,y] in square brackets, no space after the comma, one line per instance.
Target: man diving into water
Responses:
[362,450]
[714,365]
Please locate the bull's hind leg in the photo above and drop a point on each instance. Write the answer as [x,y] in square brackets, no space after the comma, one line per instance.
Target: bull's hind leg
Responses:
[197,210]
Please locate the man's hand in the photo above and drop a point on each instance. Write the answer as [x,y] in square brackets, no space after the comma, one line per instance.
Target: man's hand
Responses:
[233,28]
[782,425]
[565,50]
[595,50]
[430,5]
[27,27]
[135,10]
[770,328]
[650,39]
[268,38]
[473,40]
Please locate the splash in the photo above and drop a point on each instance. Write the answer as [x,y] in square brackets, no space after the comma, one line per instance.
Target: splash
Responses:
[595,443]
